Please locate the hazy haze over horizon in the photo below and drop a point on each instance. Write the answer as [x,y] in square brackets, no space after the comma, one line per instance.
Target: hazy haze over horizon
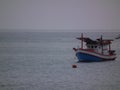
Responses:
[57,15]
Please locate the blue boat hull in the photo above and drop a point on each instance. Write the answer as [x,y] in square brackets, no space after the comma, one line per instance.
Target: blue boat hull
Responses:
[87,57]
[83,57]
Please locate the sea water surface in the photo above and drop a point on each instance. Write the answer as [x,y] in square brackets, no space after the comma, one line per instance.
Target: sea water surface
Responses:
[43,61]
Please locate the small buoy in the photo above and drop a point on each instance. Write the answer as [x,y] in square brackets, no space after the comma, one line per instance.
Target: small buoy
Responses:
[74,66]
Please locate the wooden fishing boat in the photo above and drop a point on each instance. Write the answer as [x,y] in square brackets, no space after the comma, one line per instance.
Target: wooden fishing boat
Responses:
[96,50]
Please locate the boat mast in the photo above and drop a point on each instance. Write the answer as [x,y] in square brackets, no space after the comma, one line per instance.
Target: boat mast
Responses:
[109,46]
[101,44]
[81,40]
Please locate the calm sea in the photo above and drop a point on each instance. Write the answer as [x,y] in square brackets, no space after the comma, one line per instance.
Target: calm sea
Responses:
[43,61]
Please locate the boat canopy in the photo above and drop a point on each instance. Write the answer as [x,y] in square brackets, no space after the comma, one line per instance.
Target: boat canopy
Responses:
[97,41]
[88,40]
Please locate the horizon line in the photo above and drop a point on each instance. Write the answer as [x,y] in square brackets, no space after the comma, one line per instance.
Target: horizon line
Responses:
[59,30]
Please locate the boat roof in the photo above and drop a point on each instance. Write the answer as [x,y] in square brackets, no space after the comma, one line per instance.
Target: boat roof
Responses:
[88,40]
[97,41]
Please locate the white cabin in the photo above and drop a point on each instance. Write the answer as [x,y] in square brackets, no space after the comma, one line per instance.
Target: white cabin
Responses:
[98,48]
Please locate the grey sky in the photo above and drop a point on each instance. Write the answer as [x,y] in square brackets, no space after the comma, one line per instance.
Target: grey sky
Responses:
[60,14]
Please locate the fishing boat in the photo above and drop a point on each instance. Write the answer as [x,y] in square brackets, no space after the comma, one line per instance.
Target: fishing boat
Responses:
[94,50]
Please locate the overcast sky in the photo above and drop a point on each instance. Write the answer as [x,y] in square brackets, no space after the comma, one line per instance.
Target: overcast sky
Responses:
[59,15]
